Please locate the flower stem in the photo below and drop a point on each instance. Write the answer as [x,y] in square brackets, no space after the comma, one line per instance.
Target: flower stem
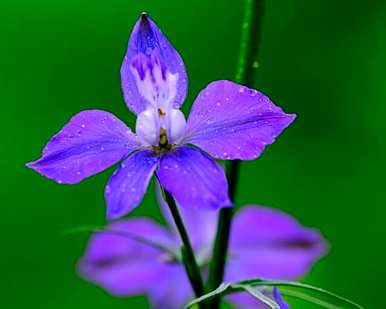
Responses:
[245,74]
[187,252]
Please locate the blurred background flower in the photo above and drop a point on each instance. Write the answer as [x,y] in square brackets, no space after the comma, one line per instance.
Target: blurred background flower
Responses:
[137,256]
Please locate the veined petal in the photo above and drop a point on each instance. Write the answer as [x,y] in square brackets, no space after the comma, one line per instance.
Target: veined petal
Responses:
[270,244]
[195,180]
[128,184]
[123,260]
[92,141]
[231,121]
[152,71]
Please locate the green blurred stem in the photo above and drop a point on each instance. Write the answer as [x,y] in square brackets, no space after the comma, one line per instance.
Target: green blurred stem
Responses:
[187,252]
[245,74]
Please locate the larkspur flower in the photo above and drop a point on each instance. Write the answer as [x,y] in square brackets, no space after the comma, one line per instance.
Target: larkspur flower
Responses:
[138,256]
[227,121]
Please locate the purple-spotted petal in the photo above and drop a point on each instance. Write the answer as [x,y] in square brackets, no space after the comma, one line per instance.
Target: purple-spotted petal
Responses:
[172,290]
[270,244]
[128,184]
[152,71]
[123,264]
[92,141]
[194,179]
[231,121]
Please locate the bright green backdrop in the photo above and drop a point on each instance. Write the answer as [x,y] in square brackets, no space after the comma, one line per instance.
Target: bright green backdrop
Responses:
[323,59]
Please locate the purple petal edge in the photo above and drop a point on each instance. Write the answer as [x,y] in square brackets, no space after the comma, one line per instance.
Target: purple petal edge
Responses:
[90,142]
[128,184]
[270,244]
[194,179]
[121,263]
[230,121]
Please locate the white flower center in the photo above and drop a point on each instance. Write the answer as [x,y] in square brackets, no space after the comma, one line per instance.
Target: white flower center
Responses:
[160,124]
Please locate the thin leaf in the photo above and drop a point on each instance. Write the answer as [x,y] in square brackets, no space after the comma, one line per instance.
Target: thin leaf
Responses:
[293,289]
[260,296]
[302,286]
[106,230]
[308,298]
[221,290]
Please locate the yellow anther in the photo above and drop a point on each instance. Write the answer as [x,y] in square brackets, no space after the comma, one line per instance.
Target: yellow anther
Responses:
[161,112]
[163,139]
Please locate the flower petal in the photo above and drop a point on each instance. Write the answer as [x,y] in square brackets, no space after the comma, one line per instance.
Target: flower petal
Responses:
[194,179]
[92,141]
[171,291]
[270,244]
[152,69]
[122,264]
[231,121]
[200,225]
[128,184]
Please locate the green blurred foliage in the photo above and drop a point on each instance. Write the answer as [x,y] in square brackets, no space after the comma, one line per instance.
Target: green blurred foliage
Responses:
[322,59]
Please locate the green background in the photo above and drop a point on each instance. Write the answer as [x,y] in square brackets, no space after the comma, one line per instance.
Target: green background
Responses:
[324,60]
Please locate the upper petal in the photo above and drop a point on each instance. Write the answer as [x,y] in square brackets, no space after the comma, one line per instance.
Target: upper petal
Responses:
[92,141]
[128,184]
[120,262]
[231,121]
[152,70]
[194,179]
[270,244]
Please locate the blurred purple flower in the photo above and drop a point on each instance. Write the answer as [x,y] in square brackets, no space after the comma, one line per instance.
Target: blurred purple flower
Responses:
[139,256]
[227,122]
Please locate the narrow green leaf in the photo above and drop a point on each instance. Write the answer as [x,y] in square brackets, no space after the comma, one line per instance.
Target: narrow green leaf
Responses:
[107,230]
[82,229]
[289,288]
[260,296]
[309,288]
[308,298]
[222,289]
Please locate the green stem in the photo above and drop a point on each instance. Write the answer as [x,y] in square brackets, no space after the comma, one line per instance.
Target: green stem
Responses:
[245,74]
[187,252]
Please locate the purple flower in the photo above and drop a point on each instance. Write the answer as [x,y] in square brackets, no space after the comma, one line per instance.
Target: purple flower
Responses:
[227,122]
[141,257]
